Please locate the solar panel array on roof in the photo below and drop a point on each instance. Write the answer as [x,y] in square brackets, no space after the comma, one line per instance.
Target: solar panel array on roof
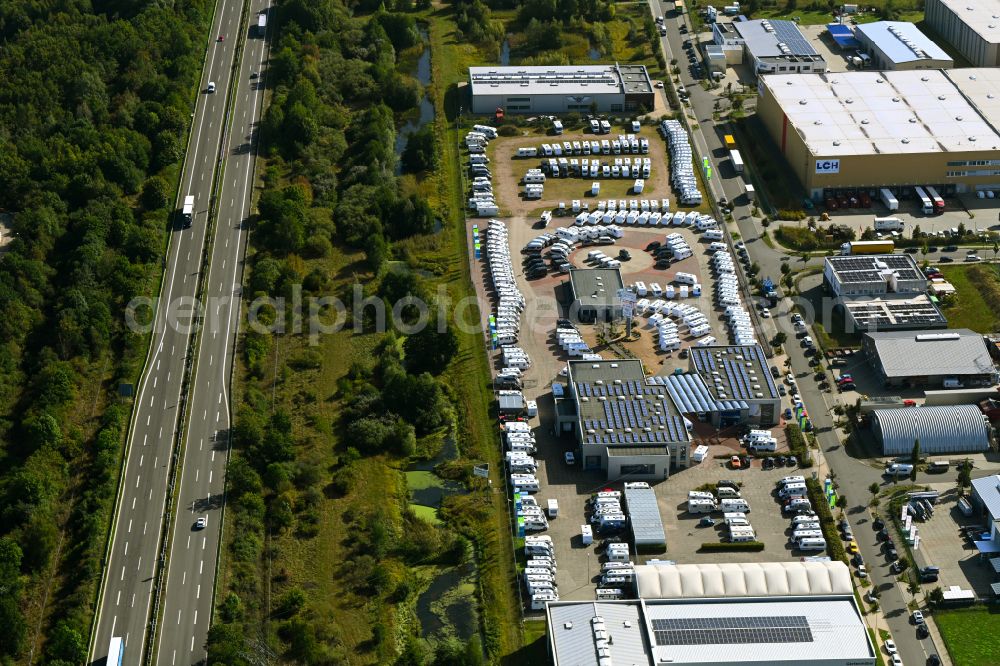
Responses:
[735,372]
[732,630]
[788,34]
[633,413]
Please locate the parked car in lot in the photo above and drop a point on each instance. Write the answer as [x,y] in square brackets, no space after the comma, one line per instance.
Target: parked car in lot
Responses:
[735,462]
[707,521]
[570,458]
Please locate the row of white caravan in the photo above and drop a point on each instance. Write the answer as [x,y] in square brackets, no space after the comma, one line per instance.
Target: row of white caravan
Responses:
[625,144]
[540,570]
[728,296]
[481,197]
[518,438]
[680,249]
[510,301]
[531,515]
[642,205]
[682,175]
[606,512]
[703,502]
[561,167]
[514,357]
[571,342]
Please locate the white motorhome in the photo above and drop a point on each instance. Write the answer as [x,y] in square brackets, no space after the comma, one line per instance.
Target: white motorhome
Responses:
[816,543]
[734,505]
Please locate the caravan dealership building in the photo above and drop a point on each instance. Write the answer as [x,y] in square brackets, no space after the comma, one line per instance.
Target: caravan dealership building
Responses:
[864,130]
[561,89]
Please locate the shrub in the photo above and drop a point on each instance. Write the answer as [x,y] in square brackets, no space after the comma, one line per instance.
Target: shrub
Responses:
[834,545]
[743,546]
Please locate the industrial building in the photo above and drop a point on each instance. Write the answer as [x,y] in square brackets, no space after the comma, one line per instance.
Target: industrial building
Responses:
[624,424]
[971,26]
[881,292]
[886,314]
[561,89]
[898,45]
[944,429]
[853,132]
[644,518]
[985,498]
[727,385]
[779,613]
[595,294]
[767,46]
[873,275]
[955,358]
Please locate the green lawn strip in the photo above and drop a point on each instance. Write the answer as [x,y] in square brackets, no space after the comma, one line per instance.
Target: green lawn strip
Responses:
[970,635]
[968,308]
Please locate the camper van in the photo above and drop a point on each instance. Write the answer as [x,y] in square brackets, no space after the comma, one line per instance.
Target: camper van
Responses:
[557,126]
[700,495]
[815,543]
[540,600]
[791,479]
[793,490]
[800,534]
[898,469]
[733,505]
[725,492]
[609,594]
[742,534]
[685,278]
[701,506]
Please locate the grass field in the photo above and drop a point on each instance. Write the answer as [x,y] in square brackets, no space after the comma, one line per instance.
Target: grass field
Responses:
[970,308]
[970,635]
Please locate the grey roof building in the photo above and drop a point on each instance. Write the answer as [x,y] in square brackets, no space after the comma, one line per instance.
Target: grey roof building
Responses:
[928,358]
[900,45]
[873,275]
[986,500]
[770,45]
[561,89]
[727,385]
[644,519]
[944,429]
[782,613]
[595,293]
[624,424]
[970,26]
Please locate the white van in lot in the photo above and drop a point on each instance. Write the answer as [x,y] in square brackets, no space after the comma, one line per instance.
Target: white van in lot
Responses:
[814,543]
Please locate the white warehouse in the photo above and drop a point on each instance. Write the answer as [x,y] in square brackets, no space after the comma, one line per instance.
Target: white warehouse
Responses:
[561,89]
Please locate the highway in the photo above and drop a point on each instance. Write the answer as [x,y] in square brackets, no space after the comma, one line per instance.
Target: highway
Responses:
[126,596]
[188,590]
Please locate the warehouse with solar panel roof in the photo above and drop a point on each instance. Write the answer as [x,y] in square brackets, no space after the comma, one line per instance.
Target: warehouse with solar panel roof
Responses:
[770,613]
[627,424]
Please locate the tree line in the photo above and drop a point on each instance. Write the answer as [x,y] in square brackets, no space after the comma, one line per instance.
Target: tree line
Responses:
[95,100]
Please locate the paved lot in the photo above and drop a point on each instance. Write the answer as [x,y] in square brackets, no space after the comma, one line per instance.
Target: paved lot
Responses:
[684,537]
[942,545]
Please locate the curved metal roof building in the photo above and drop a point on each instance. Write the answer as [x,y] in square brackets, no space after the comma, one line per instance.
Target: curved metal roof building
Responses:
[755,579]
[947,429]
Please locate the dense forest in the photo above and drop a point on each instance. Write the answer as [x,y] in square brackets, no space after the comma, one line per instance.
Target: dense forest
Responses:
[95,97]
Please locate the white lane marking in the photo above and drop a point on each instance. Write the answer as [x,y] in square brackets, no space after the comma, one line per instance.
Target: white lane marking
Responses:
[211,359]
[118,599]
[217,417]
[168,376]
[178,616]
[126,543]
[189,541]
[156,460]
[174,660]
[184,578]
[157,364]
[196,475]
[145,524]
[198,593]
[123,573]
[201,444]
[203,541]
[220,398]
[114,621]
[185,278]
[195,616]
[172,350]
[151,401]
[145,439]
[141,458]
[192,644]
[161,433]
[201,566]
[137,477]
[204,415]
[189,256]
[209,476]
[133,602]
[155,379]
[150,494]
[149,417]
[133,505]
[213,456]
[139,565]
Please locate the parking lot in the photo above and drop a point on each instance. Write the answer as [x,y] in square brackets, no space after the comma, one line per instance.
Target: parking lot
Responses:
[545,300]
[942,544]
[684,536]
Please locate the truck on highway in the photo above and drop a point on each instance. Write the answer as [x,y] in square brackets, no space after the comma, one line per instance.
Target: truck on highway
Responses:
[187,213]
[890,201]
[888,224]
[737,160]
[868,247]
[116,651]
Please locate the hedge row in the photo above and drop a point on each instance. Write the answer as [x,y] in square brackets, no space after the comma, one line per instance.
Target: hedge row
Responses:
[797,444]
[744,546]
[834,545]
